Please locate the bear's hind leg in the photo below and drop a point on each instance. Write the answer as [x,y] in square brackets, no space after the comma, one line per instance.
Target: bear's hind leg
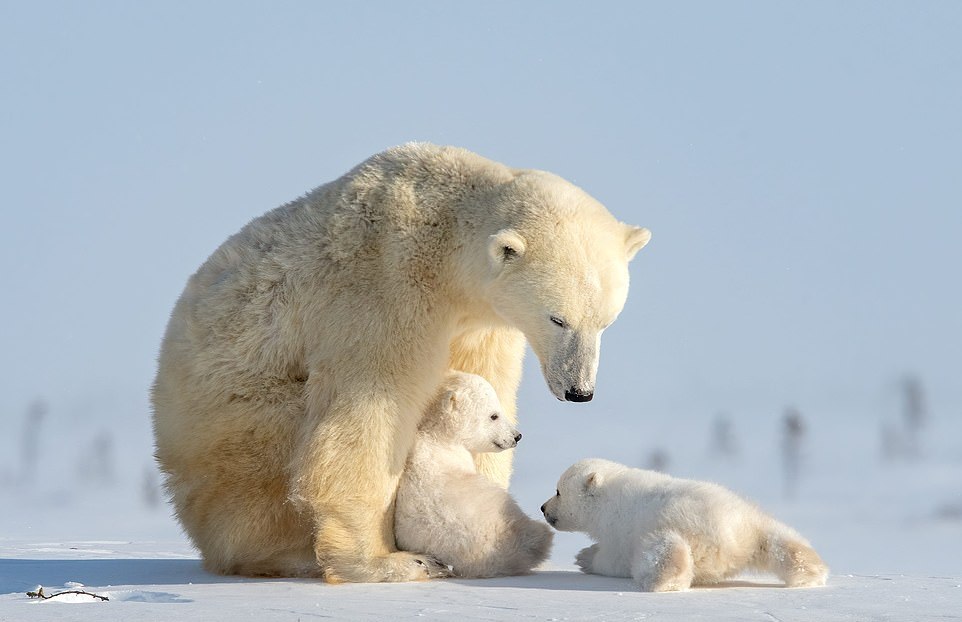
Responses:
[663,563]
[793,560]
[536,543]
[487,534]
[528,546]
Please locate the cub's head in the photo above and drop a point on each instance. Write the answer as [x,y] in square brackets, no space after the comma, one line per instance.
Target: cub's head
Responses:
[580,495]
[470,414]
[560,275]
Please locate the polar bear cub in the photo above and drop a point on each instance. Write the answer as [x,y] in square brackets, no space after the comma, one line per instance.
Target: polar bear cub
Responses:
[448,510]
[669,533]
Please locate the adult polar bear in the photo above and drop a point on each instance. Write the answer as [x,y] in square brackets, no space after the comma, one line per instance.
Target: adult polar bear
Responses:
[300,357]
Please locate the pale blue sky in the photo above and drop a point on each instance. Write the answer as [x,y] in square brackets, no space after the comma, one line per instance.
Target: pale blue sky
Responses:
[799,164]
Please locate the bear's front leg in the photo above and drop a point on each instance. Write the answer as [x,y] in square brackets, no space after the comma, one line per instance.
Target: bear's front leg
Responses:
[345,553]
[586,557]
[605,559]
[663,563]
[495,354]
[346,473]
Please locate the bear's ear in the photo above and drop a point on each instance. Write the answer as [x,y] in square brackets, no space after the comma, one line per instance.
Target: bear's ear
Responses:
[449,401]
[505,246]
[635,240]
[592,483]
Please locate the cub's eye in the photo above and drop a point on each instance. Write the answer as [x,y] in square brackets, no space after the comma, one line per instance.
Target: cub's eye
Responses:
[494,417]
[557,321]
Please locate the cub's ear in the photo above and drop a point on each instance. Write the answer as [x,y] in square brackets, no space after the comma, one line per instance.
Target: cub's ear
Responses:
[449,400]
[635,240]
[592,483]
[505,246]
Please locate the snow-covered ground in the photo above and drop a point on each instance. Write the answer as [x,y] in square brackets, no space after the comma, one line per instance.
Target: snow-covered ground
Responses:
[88,513]
[148,582]
[798,164]
[863,512]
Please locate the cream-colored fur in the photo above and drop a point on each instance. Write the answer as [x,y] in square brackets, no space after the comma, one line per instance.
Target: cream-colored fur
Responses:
[299,358]
[448,510]
[669,533]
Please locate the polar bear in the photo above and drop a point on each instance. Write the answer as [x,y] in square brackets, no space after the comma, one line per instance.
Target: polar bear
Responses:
[445,508]
[669,533]
[301,355]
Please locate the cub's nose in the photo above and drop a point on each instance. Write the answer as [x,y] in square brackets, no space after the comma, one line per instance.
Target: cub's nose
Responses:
[542,507]
[575,394]
[517,437]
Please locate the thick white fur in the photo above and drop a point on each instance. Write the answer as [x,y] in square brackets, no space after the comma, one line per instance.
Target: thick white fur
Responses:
[448,510]
[669,533]
[299,358]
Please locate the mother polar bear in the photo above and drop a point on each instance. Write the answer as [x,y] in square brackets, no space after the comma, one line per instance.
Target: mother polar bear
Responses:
[300,356]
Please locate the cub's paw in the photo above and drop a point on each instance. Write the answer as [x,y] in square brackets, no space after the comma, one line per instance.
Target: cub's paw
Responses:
[586,557]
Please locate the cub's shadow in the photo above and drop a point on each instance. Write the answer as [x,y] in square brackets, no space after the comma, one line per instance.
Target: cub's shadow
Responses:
[563,580]
[575,581]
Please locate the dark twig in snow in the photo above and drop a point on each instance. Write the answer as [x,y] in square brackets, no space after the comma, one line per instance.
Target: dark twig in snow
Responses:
[39,594]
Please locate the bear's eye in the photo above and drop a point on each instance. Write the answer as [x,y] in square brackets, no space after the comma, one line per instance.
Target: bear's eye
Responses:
[557,321]
[494,417]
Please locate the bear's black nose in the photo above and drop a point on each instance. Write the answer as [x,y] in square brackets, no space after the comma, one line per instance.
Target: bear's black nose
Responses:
[575,395]
[517,437]
[542,507]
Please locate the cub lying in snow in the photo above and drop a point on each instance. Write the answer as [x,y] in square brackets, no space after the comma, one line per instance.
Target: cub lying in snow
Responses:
[669,533]
[445,508]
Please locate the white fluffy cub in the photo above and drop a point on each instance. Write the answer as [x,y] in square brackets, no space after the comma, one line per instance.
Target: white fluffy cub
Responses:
[669,533]
[445,508]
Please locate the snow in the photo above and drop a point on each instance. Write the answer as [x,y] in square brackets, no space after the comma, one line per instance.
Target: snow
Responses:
[863,512]
[151,582]
[799,171]
[89,512]
[890,530]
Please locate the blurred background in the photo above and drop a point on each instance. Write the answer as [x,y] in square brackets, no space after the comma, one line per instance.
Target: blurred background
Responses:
[792,331]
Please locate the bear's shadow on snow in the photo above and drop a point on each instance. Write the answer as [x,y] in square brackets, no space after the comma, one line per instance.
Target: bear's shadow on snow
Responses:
[575,581]
[21,575]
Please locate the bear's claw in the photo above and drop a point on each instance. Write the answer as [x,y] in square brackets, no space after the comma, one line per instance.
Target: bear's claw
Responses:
[433,568]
